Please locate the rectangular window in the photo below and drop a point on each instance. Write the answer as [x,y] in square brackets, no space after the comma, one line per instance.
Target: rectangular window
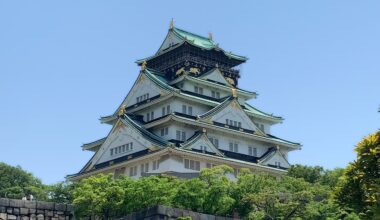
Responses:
[226,121]
[217,95]
[133,171]
[196,89]
[168,109]
[213,94]
[192,165]
[235,123]
[111,151]
[163,111]
[231,146]
[236,147]
[147,95]
[200,90]
[166,131]
[190,110]
[262,127]
[146,167]
[216,143]
[151,115]
[239,124]
[163,131]
[197,165]
[142,168]
[137,99]
[155,164]
[184,109]
[183,136]
[131,144]
[178,135]
[127,146]
[147,117]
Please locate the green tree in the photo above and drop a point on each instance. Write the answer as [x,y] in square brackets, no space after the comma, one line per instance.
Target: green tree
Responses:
[149,191]
[99,196]
[360,186]
[191,194]
[311,174]
[219,190]
[16,183]
[61,192]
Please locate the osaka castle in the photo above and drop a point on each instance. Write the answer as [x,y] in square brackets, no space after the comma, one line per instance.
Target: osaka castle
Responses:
[186,112]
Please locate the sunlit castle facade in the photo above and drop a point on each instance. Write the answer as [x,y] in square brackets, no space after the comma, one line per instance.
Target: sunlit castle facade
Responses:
[186,112]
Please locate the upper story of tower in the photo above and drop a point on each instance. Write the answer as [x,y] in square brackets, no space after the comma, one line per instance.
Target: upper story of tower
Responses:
[184,52]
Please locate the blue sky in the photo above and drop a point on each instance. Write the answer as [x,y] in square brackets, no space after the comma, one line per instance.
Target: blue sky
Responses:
[63,64]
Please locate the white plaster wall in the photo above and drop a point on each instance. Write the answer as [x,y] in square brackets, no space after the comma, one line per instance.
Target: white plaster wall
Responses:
[189,86]
[277,158]
[171,39]
[224,141]
[236,115]
[143,87]
[122,136]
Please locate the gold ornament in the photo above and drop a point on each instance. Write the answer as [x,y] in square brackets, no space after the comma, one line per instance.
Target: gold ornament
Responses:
[194,70]
[143,65]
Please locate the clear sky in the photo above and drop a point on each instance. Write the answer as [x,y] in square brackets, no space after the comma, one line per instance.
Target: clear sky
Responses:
[63,64]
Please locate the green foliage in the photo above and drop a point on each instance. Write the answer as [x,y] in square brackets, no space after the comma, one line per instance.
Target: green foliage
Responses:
[17,183]
[98,196]
[359,189]
[61,192]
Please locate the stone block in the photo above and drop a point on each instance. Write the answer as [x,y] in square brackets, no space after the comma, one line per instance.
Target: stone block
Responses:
[24,217]
[30,204]
[16,203]
[32,211]
[3,216]
[54,218]
[49,213]
[60,207]
[3,209]
[12,217]
[61,218]
[9,210]
[24,211]
[32,216]
[60,213]
[16,211]
[40,217]
[45,205]
[4,202]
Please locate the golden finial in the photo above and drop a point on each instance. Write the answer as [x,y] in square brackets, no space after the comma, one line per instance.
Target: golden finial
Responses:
[121,110]
[143,65]
[234,92]
[210,36]
[171,24]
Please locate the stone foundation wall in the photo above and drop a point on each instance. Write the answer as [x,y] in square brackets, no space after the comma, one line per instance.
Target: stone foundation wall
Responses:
[14,209]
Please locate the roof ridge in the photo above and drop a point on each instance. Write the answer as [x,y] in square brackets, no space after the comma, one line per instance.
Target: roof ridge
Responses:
[194,34]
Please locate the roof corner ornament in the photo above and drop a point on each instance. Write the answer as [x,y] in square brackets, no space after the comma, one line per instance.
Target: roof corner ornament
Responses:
[234,92]
[143,65]
[277,147]
[121,111]
[171,24]
[204,130]
[210,36]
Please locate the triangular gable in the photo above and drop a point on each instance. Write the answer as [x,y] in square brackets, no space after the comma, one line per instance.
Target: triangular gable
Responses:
[146,83]
[275,157]
[215,75]
[230,109]
[123,133]
[200,142]
[170,40]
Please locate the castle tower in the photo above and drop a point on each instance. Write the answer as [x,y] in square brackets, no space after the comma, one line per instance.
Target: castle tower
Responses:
[186,112]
